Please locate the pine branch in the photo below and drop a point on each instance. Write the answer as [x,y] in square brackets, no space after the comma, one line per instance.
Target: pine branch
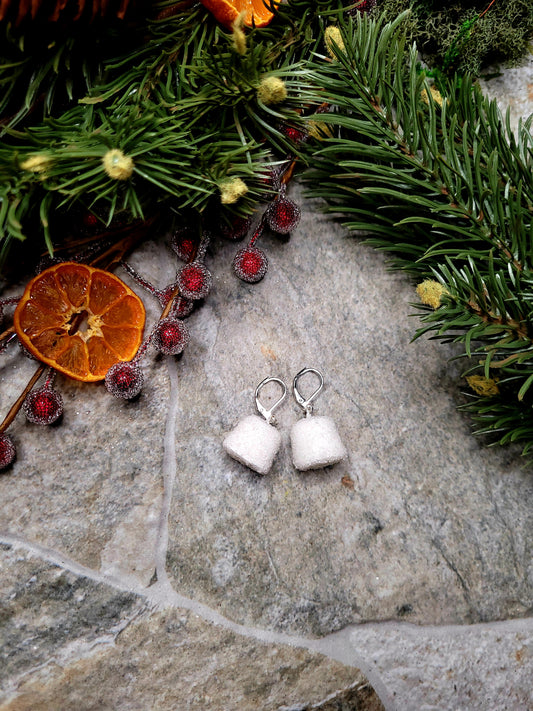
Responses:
[443,185]
[176,99]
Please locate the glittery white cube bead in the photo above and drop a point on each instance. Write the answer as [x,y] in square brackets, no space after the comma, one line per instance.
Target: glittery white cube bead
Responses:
[253,442]
[316,443]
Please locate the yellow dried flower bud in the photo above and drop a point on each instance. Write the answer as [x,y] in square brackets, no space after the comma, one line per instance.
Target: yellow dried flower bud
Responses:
[431,292]
[238,39]
[272,90]
[319,130]
[37,163]
[118,165]
[333,39]
[486,387]
[231,190]
[435,93]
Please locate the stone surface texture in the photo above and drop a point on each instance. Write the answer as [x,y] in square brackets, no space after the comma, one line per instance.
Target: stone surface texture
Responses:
[142,567]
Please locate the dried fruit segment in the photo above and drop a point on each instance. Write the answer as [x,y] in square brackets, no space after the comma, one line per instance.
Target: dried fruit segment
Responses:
[258,12]
[80,320]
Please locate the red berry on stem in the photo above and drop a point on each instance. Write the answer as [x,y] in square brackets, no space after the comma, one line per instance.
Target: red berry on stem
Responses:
[181,308]
[124,380]
[250,264]
[364,6]
[194,281]
[184,245]
[7,451]
[171,336]
[282,215]
[43,406]
[294,134]
[90,220]
[237,230]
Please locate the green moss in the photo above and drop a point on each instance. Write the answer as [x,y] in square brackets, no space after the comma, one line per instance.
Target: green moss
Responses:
[458,38]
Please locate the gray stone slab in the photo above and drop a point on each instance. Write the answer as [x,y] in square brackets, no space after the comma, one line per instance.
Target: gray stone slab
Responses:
[77,486]
[69,643]
[48,616]
[474,667]
[421,523]
[512,89]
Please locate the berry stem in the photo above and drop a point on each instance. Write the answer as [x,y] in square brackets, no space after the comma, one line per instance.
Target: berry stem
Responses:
[8,419]
[288,173]
[166,310]
[111,257]
[51,376]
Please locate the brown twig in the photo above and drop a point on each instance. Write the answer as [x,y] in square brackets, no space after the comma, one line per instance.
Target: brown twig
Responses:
[486,9]
[166,310]
[8,332]
[8,419]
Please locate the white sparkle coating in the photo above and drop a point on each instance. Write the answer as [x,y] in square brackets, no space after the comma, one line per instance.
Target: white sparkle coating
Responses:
[253,442]
[316,443]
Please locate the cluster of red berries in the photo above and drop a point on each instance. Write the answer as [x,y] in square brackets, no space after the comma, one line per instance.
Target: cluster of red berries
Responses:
[194,281]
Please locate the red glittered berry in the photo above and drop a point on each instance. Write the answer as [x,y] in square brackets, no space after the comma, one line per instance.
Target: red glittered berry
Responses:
[237,230]
[171,336]
[90,220]
[194,281]
[282,215]
[43,406]
[124,380]
[362,7]
[7,451]
[184,245]
[181,308]
[250,264]
[294,134]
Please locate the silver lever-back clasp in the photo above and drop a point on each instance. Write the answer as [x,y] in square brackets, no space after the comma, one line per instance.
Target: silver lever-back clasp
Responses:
[268,412]
[306,404]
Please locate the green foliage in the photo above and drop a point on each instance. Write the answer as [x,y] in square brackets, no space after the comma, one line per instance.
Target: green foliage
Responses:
[171,93]
[445,188]
[460,36]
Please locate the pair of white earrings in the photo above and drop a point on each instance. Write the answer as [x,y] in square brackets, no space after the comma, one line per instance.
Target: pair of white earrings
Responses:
[315,442]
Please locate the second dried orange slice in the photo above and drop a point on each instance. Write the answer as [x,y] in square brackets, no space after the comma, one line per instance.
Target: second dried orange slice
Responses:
[80,320]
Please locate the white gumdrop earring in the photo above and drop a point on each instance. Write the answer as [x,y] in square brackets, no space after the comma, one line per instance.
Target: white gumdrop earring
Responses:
[315,441]
[255,441]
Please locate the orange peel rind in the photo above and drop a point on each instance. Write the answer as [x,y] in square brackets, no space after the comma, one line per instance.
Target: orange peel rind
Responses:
[80,320]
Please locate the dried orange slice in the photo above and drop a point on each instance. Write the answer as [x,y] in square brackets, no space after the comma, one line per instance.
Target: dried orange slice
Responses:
[258,13]
[80,320]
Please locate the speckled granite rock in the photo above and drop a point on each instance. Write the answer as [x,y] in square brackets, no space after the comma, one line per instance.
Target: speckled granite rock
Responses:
[512,89]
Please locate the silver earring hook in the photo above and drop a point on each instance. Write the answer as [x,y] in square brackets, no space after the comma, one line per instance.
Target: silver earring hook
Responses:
[306,404]
[268,413]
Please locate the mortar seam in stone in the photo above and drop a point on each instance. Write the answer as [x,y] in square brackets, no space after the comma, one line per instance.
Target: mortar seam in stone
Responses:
[169,474]
[162,595]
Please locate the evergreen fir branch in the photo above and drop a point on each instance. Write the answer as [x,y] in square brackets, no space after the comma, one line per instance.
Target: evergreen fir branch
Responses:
[442,184]
[173,96]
